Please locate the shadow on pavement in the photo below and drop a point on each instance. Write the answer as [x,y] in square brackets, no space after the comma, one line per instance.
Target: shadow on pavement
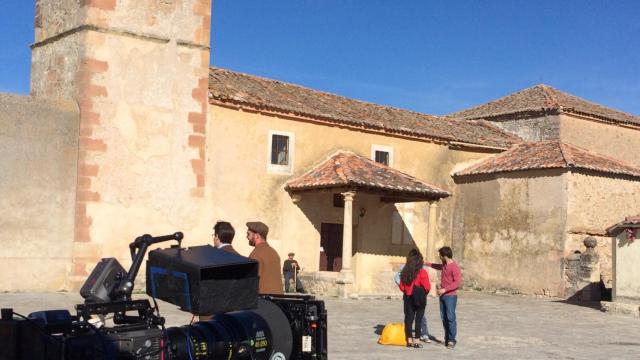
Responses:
[595,305]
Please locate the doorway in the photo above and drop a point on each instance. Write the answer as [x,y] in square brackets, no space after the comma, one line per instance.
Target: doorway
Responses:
[330,247]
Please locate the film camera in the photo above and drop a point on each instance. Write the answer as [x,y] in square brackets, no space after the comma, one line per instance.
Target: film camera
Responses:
[201,280]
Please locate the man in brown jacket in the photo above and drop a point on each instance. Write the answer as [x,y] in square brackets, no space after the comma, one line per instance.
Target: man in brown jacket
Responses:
[267,258]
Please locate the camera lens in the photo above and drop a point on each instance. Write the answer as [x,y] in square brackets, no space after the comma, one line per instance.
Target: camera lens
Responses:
[252,334]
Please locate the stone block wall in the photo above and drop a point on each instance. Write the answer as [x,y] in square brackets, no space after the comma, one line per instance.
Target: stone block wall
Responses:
[532,129]
[582,272]
[138,70]
[595,202]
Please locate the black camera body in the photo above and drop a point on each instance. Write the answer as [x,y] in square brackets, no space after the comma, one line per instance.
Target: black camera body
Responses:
[201,280]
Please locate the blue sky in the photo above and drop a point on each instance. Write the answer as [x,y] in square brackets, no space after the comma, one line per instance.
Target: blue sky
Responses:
[434,57]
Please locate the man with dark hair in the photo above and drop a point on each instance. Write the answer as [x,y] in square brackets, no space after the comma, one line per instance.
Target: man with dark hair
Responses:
[449,283]
[267,258]
[223,234]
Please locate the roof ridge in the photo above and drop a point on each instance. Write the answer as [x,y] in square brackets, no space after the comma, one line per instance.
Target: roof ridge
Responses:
[546,89]
[566,155]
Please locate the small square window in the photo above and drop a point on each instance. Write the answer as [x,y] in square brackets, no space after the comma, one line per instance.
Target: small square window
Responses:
[382,154]
[382,157]
[280,150]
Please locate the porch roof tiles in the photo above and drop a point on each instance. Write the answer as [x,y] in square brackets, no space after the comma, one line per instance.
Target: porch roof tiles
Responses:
[628,222]
[549,155]
[347,170]
[262,94]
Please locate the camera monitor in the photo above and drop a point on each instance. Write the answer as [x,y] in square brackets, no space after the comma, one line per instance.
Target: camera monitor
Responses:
[104,278]
[203,280]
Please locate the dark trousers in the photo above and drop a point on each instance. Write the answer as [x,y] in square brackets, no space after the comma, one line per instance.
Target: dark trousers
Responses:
[448,316]
[288,276]
[412,316]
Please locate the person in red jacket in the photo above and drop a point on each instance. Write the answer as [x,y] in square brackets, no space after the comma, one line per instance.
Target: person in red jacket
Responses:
[415,285]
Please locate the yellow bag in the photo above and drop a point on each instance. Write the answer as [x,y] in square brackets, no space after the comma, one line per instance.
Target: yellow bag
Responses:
[393,334]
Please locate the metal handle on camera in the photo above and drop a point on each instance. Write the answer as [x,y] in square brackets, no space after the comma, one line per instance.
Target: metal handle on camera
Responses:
[141,243]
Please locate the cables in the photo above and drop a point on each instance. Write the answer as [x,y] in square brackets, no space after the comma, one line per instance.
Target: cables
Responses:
[165,345]
[38,328]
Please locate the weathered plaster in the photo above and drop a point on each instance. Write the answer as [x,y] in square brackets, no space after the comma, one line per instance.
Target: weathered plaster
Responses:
[512,227]
[39,152]
[612,140]
[627,267]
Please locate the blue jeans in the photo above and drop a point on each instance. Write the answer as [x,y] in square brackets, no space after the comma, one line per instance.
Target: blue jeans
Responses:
[448,316]
[288,277]
[423,323]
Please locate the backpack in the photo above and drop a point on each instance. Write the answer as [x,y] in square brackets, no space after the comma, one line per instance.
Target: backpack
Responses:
[419,296]
[393,334]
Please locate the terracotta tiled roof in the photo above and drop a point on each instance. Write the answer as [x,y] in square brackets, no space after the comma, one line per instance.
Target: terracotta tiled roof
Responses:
[237,89]
[348,170]
[629,221]
[549,155]
[543,99]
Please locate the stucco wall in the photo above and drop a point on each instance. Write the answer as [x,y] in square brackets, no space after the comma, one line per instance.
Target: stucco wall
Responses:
[38,155]
[512,227]
[241,189]
[607,139]
[595,202]
[533,129]
[627,267]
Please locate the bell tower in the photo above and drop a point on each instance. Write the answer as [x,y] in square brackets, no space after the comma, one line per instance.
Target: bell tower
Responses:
[138,70]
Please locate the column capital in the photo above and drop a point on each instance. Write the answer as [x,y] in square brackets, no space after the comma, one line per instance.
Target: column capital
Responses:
[348,195]
[433,203]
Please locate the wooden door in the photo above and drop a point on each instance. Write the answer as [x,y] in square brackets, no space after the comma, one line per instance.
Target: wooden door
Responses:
[330,247]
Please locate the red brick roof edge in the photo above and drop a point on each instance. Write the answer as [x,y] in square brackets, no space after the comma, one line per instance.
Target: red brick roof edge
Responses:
[549,155]
[349,170]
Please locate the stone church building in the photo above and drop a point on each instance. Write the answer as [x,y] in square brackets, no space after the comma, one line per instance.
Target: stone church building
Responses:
[128,130]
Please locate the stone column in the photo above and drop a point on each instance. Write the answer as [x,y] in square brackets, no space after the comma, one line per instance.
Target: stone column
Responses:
[345,279]
[431,232]
[347,231]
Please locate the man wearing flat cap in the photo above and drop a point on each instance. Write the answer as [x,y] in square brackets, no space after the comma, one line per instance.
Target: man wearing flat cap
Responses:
[290,271]
[267,258]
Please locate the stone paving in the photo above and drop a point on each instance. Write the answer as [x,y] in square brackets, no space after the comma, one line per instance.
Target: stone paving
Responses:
[490,327]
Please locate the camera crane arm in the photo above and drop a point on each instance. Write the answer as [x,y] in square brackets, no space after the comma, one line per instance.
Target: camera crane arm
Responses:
[138,249]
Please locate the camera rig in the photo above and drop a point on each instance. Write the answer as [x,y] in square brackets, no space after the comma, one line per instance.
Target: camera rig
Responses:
[201,280]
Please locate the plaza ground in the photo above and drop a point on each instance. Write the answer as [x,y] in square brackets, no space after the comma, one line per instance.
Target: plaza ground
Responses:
[490,327]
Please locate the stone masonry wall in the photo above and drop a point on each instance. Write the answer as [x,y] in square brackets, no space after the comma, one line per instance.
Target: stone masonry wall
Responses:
[595,202]
[533,129]
[139,73]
